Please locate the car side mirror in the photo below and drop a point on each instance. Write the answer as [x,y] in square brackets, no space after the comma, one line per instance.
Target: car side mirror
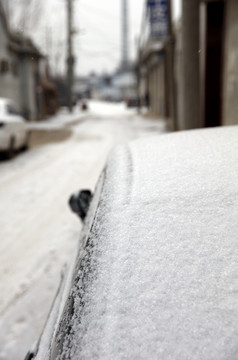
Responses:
[79,202]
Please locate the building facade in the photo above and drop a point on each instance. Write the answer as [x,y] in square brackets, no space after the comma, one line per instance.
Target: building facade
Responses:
[212,85]
[19,70]
[9,71]
[191,76]
[155,83]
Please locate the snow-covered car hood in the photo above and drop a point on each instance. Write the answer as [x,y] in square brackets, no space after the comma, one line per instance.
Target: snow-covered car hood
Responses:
[159,276]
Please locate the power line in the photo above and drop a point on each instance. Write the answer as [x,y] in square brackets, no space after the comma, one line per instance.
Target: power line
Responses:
[100,54]
[97,11]
[99,31]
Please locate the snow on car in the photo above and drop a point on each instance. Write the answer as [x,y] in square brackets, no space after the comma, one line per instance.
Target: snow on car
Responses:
[13,129]
[156,275]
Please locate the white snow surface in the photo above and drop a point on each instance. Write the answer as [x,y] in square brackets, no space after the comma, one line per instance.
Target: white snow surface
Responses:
[59,121]
[162,274]
[38,233]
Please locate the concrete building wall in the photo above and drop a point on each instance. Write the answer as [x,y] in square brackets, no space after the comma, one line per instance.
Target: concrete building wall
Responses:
[9,80]
[156,86]
[143,86]
[151,89]
[31,88]
[9,88]
[230,95]
[191,105]
[2,39]
[229,74]
[178,76]
[18,78]
[161,88]
[26,87]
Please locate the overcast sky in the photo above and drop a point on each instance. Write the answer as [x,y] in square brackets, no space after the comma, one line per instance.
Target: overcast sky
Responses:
[100,41]
[97,43]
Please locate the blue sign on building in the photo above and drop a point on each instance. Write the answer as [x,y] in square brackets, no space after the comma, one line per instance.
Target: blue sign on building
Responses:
[159,21]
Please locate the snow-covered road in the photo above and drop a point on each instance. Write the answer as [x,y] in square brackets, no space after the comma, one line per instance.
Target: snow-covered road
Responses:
[38,233]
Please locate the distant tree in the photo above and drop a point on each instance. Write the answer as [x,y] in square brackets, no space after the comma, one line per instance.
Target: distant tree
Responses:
[31,18]
[23,15]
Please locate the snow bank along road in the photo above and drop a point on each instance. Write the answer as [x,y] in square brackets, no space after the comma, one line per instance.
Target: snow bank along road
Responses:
[38,233]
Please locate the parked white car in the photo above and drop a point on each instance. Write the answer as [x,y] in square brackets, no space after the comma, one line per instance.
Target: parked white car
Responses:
[14,134]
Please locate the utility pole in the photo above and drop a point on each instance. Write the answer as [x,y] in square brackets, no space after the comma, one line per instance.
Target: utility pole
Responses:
[70,57]
[125,34]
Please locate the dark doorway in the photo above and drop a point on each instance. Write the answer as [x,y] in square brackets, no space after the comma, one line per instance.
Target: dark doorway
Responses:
[215,16]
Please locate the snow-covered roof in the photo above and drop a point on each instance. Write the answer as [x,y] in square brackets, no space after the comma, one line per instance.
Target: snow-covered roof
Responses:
[159,278]
[16,41]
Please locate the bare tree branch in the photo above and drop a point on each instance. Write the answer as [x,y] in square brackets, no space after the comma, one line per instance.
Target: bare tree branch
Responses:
[23,15]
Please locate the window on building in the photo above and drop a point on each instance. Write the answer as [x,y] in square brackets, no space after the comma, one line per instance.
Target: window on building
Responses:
[4,66]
